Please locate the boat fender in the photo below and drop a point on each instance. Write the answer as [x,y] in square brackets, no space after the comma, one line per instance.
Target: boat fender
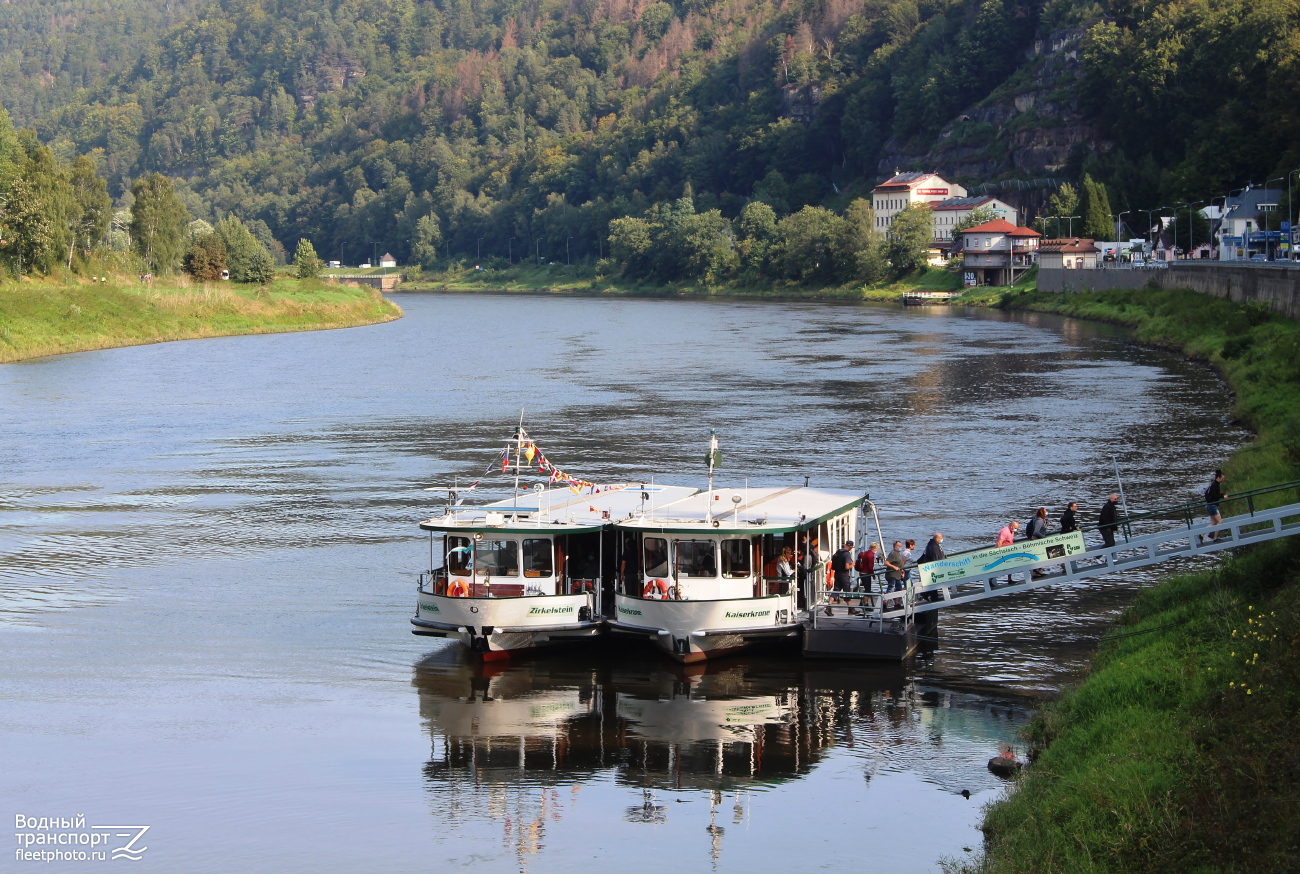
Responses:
[457,589]
[656,589]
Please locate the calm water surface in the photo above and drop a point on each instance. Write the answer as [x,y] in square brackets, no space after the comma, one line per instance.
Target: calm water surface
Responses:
[207,553]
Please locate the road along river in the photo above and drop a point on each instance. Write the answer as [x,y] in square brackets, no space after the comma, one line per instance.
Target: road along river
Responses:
[207,553]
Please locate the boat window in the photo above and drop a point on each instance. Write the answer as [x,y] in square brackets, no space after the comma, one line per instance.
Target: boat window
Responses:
[695,558]
[499,558]
[459,552]
[735,558]
[656,557]
[538,558]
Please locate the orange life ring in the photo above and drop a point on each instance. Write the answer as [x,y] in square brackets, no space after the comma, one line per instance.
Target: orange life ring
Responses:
[457,589]
[653,586]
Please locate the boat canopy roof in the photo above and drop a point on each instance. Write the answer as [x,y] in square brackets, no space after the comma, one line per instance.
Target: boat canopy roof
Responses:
[559,511]
[759,511]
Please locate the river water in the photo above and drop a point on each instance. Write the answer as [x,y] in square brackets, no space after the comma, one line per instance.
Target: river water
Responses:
[207,557]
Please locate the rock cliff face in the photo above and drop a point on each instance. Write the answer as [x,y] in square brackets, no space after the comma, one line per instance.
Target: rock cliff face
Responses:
[1025,131]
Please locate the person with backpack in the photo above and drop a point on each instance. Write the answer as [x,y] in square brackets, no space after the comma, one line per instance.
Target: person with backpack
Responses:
[1213,495]
[866,566]
[933,549]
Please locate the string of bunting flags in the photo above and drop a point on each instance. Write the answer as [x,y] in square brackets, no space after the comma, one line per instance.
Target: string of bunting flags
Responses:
[528,453]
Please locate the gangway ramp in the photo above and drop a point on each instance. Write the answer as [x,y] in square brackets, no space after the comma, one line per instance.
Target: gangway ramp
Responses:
[1189,537]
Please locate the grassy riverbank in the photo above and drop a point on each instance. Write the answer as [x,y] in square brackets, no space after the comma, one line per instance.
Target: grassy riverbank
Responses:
[581,279]
[1179,751]
[39,319]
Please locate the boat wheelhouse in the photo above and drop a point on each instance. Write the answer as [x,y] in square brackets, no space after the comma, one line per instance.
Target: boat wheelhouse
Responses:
[708,579]
[526,571]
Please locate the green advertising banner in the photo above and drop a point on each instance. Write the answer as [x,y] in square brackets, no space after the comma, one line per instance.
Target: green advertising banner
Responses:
[999,559]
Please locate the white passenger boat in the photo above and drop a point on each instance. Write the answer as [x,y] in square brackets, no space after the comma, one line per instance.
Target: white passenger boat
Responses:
[526,571]
[707,580]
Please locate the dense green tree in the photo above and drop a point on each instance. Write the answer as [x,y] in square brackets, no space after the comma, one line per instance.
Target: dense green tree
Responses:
[247,259]
[29,232]
[158,221]
[806,245]
[305,263]
[1061,205]
[910,236]
[205,257]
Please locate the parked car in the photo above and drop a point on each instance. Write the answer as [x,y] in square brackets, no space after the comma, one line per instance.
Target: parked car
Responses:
[1259,258]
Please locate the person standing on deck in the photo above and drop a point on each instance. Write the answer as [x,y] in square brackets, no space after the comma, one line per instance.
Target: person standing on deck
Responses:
[1213,495]
[1070,518]
[1108,520]
[842,566]
[894,570]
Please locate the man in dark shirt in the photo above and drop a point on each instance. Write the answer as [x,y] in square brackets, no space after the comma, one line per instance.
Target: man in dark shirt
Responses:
[933,549]
[842,565]
[1070,518]
[1108,520]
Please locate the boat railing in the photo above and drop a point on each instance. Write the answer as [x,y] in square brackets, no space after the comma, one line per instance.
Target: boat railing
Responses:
[437,582]
[864,603]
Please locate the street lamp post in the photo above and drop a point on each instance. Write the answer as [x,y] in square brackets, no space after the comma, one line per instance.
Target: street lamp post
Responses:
[537,250]
[1150,224]
[510,251]
[1290,219]
[1279,191]
[1191,227]
[1119,232]
[567,260]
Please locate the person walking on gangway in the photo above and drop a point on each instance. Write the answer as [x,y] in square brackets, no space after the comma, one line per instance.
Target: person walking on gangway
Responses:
[933,549]
[1213,495]
[1007,536]
[1037,531]
[1108,520]
[1070,518]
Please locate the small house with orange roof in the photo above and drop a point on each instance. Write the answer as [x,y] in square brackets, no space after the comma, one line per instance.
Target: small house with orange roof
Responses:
[997,253]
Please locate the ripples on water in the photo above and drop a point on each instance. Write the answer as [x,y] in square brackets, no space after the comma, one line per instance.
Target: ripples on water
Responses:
[234,520]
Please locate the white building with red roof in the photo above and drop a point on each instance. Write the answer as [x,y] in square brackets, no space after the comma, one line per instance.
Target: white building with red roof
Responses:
[904,189]
[997,252]
[953,211]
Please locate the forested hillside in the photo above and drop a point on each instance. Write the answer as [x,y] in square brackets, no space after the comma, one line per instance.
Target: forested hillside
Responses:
[452,127]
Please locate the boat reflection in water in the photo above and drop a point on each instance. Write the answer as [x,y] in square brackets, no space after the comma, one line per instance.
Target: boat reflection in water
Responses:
[508,737]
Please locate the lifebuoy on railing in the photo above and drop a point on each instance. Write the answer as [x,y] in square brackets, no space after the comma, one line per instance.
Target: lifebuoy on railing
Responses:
[656,590]
[457,589]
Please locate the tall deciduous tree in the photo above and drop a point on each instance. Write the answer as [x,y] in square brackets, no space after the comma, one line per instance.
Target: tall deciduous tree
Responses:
[1094,206]
[93,210]
[158,220]
[910,235]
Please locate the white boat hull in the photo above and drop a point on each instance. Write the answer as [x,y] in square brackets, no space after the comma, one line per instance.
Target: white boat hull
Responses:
[692,631]
[497,627]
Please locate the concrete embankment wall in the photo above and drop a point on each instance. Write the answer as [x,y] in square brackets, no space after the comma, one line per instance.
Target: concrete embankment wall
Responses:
[1275,287]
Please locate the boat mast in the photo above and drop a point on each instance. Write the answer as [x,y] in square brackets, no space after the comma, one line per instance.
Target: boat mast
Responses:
[519,439]
[713,458]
